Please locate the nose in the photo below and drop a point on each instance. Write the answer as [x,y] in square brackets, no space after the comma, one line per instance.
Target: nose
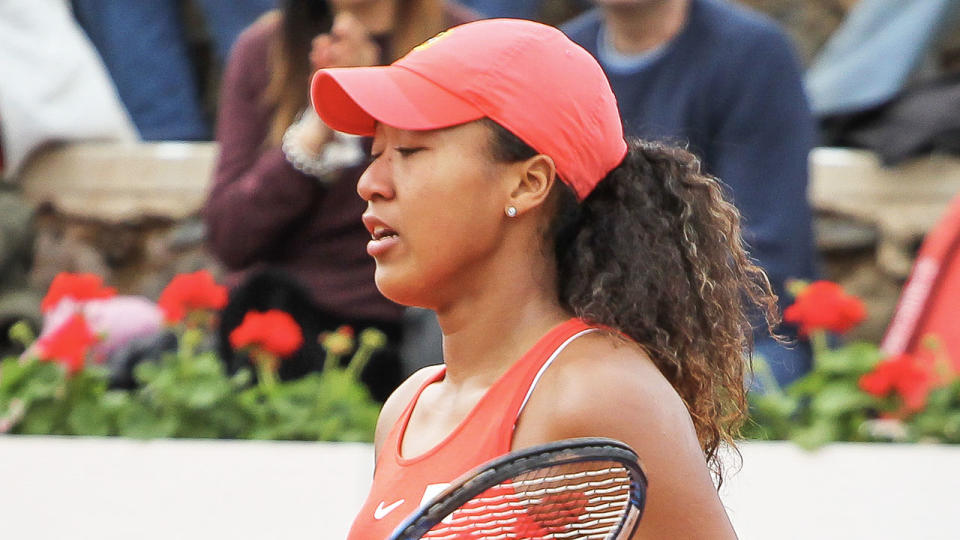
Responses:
[376,182]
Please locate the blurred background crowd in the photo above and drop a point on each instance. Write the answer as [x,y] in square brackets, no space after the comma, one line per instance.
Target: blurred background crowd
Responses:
[145,139]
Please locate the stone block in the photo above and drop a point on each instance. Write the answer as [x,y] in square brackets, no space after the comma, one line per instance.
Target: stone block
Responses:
[121,182]
[902,203]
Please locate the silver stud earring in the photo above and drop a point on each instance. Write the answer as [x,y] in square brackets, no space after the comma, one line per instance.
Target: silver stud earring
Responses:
[512,211]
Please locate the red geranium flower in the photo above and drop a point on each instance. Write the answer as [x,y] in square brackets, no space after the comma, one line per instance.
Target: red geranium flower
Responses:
[911,376]
[77,286]
[274,331]
[823,305]
[69,344]
[191,292]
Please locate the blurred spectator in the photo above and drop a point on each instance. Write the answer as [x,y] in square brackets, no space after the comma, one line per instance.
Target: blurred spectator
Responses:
[726,82]
[53,86]
[144,45]
[284,196]
[872,56]
[868,86]
[118,320]
[547,11]
[518,9]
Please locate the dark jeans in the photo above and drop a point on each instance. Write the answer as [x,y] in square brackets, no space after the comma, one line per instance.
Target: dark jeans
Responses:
[518,9]
[787,363]
[143,44]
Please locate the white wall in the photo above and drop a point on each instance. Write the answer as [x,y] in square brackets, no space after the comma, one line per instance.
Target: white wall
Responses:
[106,489]
[54,488]
[846,491]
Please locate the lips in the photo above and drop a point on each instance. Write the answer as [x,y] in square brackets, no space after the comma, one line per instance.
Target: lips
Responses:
[382,236]
[379,233]
[377,228]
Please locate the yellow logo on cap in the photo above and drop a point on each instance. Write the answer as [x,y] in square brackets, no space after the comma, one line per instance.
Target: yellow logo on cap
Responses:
[432,41]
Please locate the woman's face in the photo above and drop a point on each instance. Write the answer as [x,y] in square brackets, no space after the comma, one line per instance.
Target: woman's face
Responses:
[435,211]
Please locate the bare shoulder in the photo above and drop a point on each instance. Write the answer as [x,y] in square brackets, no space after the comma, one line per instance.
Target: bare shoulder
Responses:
[600,374]
[398,401]
[604,386]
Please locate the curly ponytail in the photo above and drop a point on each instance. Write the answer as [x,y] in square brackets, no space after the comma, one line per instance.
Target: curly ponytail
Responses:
[655,252]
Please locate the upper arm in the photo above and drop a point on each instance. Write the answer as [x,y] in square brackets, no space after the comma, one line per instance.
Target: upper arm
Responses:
[256,194]
[241,101]
[624,398]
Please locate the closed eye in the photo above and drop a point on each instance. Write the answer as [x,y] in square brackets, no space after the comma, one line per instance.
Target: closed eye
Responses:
[408,150]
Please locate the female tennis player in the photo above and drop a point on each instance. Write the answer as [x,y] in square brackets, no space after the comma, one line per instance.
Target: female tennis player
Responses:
[587,286]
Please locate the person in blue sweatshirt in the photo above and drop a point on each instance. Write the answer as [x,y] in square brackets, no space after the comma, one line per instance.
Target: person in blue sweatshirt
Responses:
[726,82]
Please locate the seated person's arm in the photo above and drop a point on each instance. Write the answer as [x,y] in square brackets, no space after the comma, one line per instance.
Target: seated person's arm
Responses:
[256,194]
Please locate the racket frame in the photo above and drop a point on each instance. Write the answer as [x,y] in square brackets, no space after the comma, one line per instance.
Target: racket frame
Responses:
[557,453]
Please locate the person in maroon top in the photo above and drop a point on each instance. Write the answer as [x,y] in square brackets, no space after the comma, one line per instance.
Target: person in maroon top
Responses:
[283,214]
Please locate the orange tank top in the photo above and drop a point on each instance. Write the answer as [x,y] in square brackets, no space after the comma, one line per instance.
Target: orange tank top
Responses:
[401,485]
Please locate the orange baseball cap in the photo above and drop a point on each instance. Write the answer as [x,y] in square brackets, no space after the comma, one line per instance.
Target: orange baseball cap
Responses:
[526,76]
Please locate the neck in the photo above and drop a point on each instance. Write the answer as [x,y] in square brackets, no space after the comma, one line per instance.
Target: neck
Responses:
[635,29]
[377,16]
[499,312]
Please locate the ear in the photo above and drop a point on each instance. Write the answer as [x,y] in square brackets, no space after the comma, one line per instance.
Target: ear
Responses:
[534,183]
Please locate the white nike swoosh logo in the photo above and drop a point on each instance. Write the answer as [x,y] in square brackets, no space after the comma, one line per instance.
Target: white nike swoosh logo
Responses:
[381,511]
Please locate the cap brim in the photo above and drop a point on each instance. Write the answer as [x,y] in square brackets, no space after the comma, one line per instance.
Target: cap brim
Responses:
[353,100]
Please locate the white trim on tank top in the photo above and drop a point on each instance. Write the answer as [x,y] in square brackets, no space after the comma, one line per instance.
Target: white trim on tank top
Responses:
[544,367]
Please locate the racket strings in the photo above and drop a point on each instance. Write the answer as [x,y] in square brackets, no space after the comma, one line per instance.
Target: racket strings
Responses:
[585,500]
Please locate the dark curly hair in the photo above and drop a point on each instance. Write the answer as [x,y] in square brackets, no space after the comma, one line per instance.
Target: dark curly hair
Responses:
[655,252]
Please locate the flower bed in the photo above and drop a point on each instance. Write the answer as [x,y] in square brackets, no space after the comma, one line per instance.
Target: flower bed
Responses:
[854,392]
[59,386]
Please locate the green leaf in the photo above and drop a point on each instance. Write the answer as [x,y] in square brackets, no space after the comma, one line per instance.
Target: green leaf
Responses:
[941,399]
[12,372]
[951,428]
[40,419]
[928,424]
[808,385]
[140,422]
[46,381]
[774,405]
[115,401]
[819,433]
[852,359]
[241,378]
[837,398]
[146,372]
[202,394]
[87,418]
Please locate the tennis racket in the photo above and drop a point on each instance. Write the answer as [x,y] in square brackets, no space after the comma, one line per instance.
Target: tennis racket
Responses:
[591,488]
